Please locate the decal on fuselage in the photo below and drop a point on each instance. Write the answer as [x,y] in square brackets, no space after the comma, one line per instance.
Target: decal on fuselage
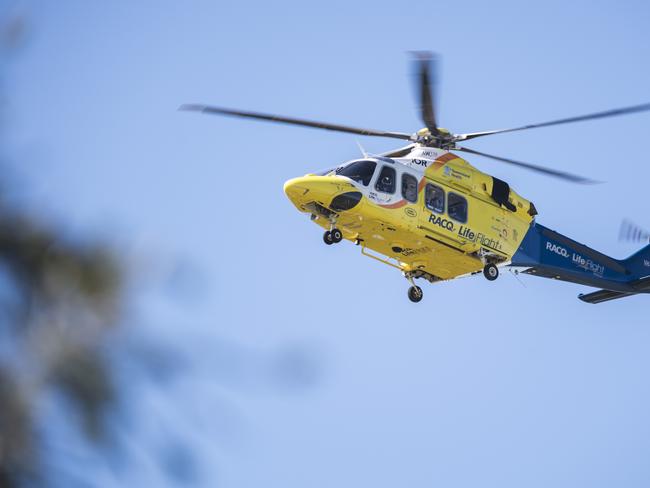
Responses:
[466,233]
[559,250]
[454,173]
[486,241]
[585,264]
[441,222]
[412,252]
[421,162]
[588,265]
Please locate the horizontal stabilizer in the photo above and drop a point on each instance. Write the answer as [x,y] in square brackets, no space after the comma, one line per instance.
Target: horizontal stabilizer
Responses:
[603,296]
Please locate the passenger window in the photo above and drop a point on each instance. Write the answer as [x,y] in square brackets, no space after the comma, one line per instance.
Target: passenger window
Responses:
[409,188]
[359,171]
[386,181]
[457,208]
[434,198]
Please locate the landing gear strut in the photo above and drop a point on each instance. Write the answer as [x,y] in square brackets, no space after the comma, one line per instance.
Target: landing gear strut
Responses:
[491,272]
[415,293]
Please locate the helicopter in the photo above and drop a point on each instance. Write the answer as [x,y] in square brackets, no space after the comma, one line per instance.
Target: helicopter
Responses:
[427,212]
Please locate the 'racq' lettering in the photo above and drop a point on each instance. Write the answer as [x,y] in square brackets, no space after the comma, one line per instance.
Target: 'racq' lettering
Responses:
[439,221]
[646,263]
[559,250]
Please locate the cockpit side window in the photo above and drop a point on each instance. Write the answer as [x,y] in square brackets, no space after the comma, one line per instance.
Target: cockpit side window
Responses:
[457,207]
[434,198]
[386,180]
[409,188]
[359,171]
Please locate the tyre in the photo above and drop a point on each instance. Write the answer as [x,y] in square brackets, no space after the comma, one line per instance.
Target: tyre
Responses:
[415,294]
[491,272]
[327,238]
[336,235]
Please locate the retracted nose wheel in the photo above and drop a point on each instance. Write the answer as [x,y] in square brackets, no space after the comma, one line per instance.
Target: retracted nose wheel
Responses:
[336,235]
[415,294]
[327,238]
[491,272]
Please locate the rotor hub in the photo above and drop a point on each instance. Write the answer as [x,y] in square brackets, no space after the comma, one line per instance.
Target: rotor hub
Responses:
[441,139]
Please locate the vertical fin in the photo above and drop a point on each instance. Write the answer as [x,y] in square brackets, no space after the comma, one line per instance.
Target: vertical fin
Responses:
[639,262]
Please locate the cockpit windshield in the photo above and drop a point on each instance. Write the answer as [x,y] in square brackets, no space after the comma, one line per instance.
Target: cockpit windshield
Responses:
[359,171]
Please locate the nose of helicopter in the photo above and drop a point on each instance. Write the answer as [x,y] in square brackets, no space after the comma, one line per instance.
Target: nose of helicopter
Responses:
[295,187]
[308,189]
[321,189]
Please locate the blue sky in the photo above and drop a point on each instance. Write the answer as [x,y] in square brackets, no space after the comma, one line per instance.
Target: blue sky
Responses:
[511,383]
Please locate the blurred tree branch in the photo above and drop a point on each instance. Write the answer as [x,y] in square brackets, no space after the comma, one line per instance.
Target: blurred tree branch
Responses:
[58,299]
[62,302]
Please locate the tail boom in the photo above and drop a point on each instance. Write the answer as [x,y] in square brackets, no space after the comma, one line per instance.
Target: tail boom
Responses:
[549,254]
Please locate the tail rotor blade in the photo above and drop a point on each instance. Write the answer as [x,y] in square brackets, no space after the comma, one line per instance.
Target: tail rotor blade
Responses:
[631,232]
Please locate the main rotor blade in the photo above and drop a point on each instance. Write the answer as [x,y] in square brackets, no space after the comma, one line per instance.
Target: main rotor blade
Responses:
[540,169]
[426,83]
[206,109]
[598,115]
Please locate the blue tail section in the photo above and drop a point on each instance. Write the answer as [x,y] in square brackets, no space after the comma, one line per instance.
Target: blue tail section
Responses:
[639,262]
[549,254]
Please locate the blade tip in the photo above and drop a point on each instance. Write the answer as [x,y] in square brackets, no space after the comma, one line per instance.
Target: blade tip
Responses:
[587,181]
[191,107]
[423,55]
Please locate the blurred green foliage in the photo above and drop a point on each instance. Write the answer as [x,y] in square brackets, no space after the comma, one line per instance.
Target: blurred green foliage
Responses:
[63,300]
[59,299]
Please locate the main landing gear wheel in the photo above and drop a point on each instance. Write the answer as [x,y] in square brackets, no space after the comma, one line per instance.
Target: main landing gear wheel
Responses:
[336,235]
[491,272]
[415,294]
[327,238]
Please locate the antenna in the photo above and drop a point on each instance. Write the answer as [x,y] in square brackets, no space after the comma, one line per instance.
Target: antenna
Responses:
[363,151]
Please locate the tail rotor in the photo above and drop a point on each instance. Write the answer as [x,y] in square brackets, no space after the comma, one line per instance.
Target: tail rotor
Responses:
[632,232]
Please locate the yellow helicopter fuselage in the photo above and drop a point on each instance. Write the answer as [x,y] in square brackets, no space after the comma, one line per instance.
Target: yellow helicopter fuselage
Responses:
[443,219]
